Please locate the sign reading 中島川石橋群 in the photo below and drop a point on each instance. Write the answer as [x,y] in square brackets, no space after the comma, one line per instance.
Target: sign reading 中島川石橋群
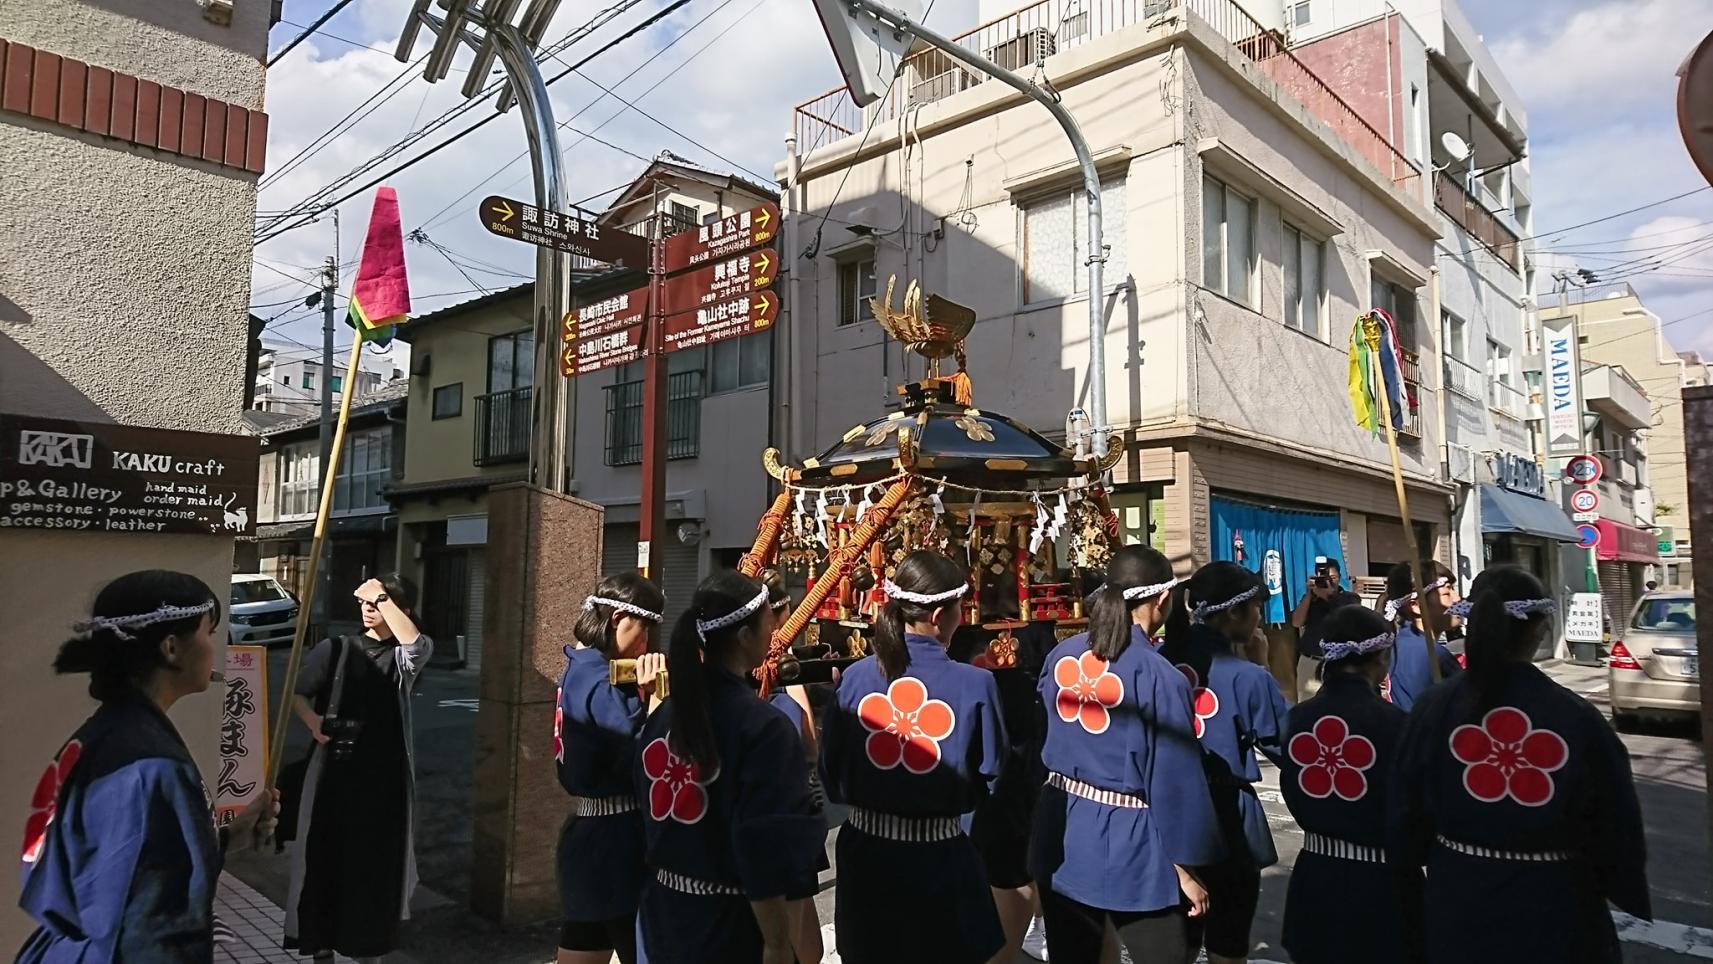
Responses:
[102,477]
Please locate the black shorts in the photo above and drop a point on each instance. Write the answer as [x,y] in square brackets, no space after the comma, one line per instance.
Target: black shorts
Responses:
[617,935]
[1233,890]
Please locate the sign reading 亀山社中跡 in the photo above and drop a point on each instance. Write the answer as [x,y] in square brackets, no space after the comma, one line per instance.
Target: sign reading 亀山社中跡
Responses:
[102,477]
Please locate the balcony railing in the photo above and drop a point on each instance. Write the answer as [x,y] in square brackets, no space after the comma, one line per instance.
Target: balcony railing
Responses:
[1463,378]
[502,426]
[1414,401]
[1450,197]
[1506,400]
[683,419]
[1051,26]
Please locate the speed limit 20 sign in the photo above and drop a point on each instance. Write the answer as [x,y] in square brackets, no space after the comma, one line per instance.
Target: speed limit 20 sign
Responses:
[1585,500]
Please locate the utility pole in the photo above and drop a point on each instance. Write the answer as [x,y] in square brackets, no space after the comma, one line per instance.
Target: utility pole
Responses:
[655,402]
[329,284]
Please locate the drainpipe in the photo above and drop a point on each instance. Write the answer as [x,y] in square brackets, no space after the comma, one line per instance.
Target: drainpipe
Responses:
[1438,328]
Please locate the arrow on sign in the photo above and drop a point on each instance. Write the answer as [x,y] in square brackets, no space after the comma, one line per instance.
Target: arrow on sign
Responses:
[504,210]
[761,278]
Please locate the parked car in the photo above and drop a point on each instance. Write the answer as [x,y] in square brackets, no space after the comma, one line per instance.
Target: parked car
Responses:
[263,613]
[1655,667]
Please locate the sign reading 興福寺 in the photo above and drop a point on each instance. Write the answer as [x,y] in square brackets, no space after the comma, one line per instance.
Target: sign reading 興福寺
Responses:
[101,477]
[243,731]
[720,281]
[1562,362]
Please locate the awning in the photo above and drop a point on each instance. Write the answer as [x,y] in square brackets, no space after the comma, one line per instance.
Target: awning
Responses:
[1506,511]
[1625,543]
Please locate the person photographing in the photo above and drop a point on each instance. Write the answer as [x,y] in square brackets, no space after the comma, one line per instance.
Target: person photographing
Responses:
[1325,594]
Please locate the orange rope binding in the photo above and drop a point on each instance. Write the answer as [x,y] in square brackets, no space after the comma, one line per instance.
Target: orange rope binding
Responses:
[766,536]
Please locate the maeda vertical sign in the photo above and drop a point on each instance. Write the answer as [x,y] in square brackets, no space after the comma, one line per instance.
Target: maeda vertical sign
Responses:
[1563,367]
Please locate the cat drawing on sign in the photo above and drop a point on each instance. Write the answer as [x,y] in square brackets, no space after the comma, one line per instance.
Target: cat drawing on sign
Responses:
[236,521]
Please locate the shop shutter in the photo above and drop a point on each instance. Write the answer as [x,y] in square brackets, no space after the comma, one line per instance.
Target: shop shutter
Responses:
[1617,593]
[679,569]
[478,567]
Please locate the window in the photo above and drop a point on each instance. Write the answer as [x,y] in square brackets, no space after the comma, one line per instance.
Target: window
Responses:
[308,381]
[364,469]
[1227,242]
[1302,14]
[300,471]
[856,286]
[686,213]
[337,383]
[285,379]
[1055,243]
[1305,290]
[449,400]
[1499,383]
[511,361]
[1400,303]
[1456,336]
[740,362]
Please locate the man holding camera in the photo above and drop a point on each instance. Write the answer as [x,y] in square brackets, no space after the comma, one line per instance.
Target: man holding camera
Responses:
[1325,593]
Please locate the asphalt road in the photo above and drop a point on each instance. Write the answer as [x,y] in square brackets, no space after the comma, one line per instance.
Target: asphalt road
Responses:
[1667,760]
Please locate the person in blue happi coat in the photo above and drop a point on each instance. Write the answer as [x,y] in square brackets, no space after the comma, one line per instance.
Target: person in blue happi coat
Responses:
[1125,816]
[914,741]
[1517,798]
[1238,710]
[594,747]
[732,833]
[1411,673]
[1345,901]
[121,855]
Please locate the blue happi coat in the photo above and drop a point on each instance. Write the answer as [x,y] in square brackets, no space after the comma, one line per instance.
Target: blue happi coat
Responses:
[1123,726]
[1344,903]
[594,746]
[745,832]
[121,858]
[1524,814]
[1411,674]
[928,744]
[1238,710]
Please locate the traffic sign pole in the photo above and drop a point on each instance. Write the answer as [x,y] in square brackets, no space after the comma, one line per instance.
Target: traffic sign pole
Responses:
[652,523]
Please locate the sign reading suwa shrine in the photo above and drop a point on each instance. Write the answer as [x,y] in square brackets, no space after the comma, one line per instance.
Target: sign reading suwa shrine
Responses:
[715,287]
[514,219]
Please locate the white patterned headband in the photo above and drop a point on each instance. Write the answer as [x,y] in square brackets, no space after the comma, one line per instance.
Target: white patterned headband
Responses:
[738,615]
[119,624]
[590,602]
[1515,608]
[894,591]
[1201,611]
[1395,606]
[1339,650]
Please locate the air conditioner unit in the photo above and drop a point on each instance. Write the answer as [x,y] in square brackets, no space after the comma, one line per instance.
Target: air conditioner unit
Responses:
[1024,50]
[1459,463]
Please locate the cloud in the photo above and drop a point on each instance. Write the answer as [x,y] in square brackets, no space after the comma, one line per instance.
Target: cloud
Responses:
[1601,61]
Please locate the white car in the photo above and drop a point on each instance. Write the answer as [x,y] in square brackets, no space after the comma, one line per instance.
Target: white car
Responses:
[262,612]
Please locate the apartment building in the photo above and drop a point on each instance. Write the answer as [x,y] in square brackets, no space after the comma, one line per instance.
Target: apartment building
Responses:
[289,380]
[1418,71]
[1250,215]
[471,386]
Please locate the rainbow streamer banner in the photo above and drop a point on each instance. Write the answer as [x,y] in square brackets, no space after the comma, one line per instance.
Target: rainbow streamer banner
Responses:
[380,297]
[1372,372]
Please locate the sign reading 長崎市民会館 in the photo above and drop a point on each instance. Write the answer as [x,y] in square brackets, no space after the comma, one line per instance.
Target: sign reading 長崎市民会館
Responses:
[1562,382]
[102,477]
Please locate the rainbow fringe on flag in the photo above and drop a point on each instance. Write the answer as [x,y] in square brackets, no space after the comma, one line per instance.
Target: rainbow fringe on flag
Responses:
[1372,372]
[380,297]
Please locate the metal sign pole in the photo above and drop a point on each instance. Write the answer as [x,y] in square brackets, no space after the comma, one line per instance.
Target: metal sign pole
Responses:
[1091,190]
[652,520]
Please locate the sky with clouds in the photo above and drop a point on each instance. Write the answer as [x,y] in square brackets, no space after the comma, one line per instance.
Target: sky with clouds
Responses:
[1596,78]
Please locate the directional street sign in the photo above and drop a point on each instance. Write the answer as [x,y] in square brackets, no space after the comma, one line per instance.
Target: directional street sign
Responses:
[722,239]
[605,316]
[514,219]
[720,281]
[602,351]
[1585,500]
[704,326]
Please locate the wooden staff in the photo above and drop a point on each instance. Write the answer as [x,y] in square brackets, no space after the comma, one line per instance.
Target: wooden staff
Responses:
[282,717]
[1371,335]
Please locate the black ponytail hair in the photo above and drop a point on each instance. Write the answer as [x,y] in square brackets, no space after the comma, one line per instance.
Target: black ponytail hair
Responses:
[1110,614]
[688,656]
[1215,582]
[1401,581]
[1493,637]
[594,627]
[925,572]
[1349,624]
[117,664]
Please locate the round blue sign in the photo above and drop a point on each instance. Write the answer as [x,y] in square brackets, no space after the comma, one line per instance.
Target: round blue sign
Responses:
[1589,537]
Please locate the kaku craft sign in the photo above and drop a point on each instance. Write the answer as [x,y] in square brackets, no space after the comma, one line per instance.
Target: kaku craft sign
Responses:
[102,477]
[588,355]
[243,731]
[722,239]
[732,319]
[514,219]
[720,281]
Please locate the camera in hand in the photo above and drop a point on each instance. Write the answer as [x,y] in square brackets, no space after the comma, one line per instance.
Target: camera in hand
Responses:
[342,736]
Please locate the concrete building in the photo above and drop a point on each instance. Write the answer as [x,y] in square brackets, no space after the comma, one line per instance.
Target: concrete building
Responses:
[1250,215]
[131,136]
[472,377]
[1616,329]
[288,380]
[1420,72]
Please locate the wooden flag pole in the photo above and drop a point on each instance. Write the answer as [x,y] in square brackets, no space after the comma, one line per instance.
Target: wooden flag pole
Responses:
[282,716]
[1371,336]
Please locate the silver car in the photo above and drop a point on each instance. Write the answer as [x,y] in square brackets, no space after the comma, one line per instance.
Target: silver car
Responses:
[1655,667]
[263,613]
